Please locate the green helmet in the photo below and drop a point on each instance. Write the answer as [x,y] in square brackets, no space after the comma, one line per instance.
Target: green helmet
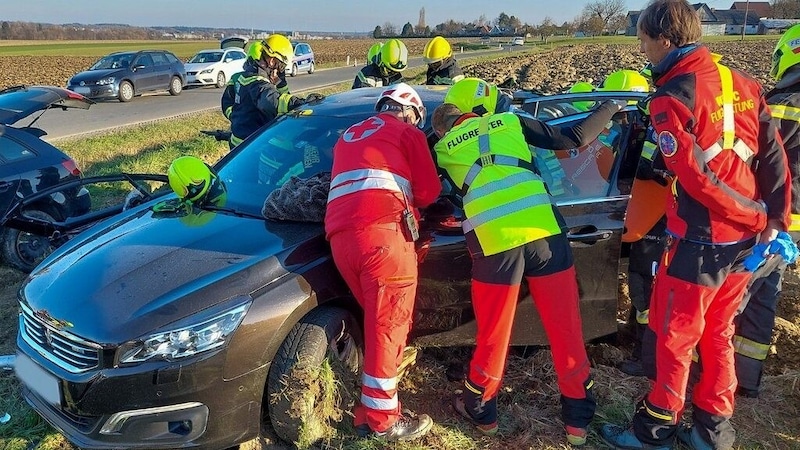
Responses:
[582,87]
[255,50]
[190,178]
[625,80]
[473,95]
[374,53]
[394,55]
[786,53]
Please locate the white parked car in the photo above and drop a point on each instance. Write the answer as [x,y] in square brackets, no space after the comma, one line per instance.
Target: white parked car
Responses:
[214,67]
[519,40]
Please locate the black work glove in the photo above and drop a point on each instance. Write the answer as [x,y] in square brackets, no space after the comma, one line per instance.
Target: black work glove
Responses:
[314,97]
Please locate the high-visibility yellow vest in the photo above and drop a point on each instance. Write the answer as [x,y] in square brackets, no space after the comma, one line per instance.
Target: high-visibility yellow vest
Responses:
[505,201]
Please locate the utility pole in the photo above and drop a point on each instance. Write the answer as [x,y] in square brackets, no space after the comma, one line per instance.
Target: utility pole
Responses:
[746,10]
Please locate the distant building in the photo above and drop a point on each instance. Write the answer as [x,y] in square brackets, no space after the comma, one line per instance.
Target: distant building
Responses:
[716,22]
[775,26]
[759,9]
[735,20]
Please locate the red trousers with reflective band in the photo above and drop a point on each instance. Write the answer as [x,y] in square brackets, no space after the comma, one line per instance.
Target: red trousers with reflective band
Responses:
[380,267]
[697,291]
[554,289]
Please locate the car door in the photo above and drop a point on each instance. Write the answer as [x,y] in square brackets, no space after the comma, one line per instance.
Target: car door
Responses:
[302,57]
[593,198]
[233,62]
[162,69]
[144,76]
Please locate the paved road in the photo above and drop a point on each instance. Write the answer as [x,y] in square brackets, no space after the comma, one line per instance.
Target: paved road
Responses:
[108,115]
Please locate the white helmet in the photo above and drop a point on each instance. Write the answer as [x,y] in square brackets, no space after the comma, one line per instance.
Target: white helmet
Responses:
[404,95]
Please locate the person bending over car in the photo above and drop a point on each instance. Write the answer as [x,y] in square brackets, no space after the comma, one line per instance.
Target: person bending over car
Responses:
[388,67]
[513,230]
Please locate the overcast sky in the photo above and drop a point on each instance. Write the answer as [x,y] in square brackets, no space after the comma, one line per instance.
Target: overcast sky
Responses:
[300,15]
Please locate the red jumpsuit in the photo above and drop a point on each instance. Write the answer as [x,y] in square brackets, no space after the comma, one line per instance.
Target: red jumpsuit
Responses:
[725,191]
[381,166]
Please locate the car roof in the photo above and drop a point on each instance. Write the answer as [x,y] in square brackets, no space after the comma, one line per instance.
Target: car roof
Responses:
[19,102]
[359,101]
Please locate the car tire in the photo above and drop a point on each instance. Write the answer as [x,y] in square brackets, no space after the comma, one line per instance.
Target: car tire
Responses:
[311,68]
[126,92]
[325,333]
[221,79]
[23,250]
[293,72]
[175,86]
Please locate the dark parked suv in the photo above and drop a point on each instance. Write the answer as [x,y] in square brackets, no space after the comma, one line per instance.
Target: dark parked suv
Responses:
[183,327]
[28,165]
[124,75]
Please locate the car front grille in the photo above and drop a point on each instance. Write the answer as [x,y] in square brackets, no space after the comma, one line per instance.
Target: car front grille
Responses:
[64,349]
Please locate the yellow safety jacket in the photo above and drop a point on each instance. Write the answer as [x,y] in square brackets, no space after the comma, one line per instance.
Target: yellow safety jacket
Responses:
[505,200]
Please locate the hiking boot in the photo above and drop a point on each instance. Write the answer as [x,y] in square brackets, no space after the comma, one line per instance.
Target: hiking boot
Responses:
[632,367]
[487,429]
[575,436]
[406,428]
[744,392]
[622,438]
[691,439]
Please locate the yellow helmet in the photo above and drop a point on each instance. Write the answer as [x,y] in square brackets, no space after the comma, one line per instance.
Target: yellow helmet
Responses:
[190,178]
[394,55]
[436,50]
[278,46]
[625,80]
[473,95]
[582,87]
[374,53]
[786,53]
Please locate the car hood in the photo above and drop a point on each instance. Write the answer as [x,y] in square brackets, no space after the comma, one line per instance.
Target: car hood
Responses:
[94,75]
[19,102]
[196,67]
[127,277]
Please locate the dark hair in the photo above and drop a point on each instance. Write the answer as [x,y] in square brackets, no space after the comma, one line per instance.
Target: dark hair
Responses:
[444,116]
[674,20]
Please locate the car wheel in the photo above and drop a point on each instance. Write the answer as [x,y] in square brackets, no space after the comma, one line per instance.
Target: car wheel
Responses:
[311,68]
[126,91]
[175,86]
[293,72]
[221,80]
[24,250]
[299,400]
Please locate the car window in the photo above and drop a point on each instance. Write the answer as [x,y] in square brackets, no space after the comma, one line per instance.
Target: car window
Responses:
[299,146]
[112,62]
[236,56]
[585,172]
[207,57]
[171,58]
[144,60]
[11,150]
[159,59]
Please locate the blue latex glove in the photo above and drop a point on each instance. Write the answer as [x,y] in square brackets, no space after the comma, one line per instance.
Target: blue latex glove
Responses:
[782,245]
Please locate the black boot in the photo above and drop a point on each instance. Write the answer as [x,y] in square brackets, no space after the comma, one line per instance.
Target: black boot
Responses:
[407,428]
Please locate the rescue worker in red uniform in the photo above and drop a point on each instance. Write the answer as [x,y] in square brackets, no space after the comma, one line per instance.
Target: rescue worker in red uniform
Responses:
[755,323]
[513,231]
[388,67]
[382,172]
[732,184]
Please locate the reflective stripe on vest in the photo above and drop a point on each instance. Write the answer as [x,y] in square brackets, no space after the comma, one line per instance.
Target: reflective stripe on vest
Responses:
[381,404]
[361,179]
[235,140]
[751,349]
[794,225]
[552,172]
[643,317]
[283,103]
[785,112]
[649,150]
[728,141]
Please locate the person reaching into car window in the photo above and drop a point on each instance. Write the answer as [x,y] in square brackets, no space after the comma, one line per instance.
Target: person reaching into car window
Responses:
[732,188]
[382,172]
[442,65]
[392,61]
[258,96]
[513,230]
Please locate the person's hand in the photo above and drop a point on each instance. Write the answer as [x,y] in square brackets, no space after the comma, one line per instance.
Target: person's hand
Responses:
[771,232]
[314,97]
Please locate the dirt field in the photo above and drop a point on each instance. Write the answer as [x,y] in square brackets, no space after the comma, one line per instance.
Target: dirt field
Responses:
[529,401]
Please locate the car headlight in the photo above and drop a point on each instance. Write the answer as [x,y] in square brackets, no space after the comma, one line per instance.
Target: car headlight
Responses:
[185,341]
[209,70]
[105,81]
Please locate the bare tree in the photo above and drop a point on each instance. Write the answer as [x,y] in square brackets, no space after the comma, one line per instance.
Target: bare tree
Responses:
[786,9]
[389,29]
[605,10]
[618,23]
[546,28]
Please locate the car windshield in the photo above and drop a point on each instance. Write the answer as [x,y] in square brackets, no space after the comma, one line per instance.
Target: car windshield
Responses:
[113,62]
[297,145]
[206,57]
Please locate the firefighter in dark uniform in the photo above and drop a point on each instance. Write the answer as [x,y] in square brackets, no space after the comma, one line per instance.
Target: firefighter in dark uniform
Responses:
[442,65]
[731,189]
[755,323]
[391,62]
